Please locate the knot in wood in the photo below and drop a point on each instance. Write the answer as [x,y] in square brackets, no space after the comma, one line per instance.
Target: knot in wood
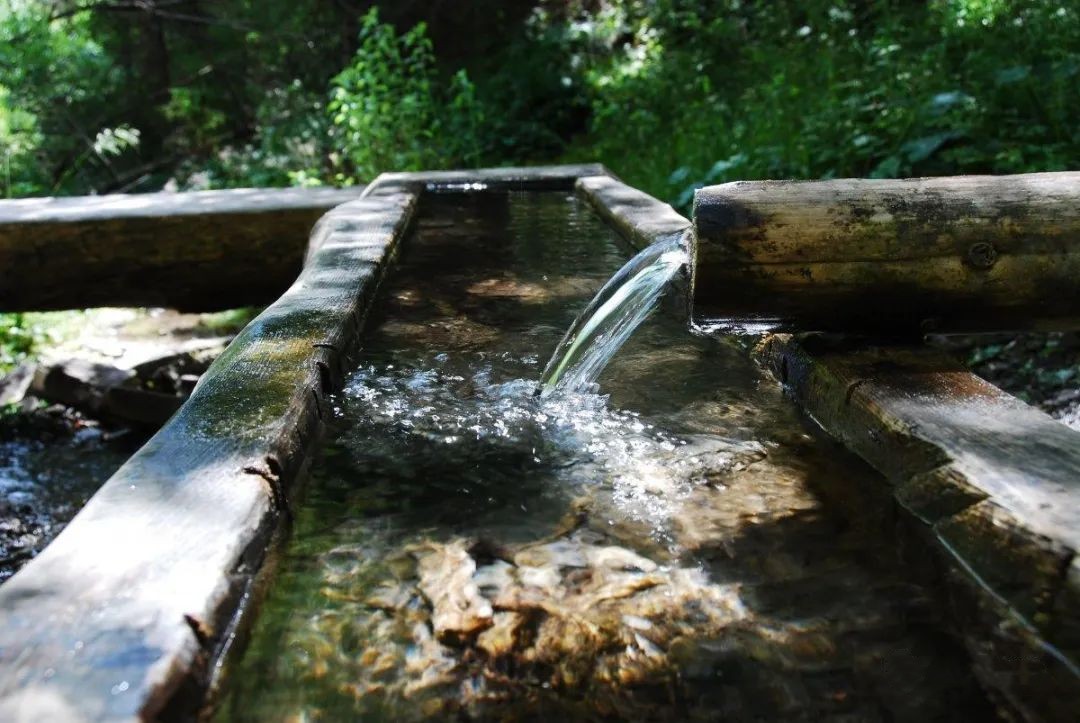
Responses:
[982,255]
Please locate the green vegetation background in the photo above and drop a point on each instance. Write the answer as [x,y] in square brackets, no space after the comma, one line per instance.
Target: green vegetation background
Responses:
[102,96]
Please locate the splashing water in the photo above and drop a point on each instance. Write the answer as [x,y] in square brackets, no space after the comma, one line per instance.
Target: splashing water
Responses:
[620,307]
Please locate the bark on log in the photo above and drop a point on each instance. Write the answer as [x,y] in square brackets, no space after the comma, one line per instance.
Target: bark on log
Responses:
[988,482]
[912,255]
[199,251]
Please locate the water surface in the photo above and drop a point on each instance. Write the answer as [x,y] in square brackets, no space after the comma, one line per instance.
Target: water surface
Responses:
[50,465]
[680,546]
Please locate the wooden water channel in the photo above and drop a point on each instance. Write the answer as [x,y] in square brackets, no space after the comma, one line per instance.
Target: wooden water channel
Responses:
[130,611]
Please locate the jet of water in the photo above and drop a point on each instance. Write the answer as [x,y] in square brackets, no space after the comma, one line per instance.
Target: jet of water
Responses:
[619,308]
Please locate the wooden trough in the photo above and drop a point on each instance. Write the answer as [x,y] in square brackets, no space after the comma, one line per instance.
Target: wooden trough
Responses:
[127,613]
[130,611]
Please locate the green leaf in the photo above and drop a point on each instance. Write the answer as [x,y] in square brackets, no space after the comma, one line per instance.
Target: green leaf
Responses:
[888,168]
[922,148]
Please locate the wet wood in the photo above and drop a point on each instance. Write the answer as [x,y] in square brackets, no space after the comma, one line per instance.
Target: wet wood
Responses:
[911,255]
[992,482]
[132,599]
[641,219]
[197,251]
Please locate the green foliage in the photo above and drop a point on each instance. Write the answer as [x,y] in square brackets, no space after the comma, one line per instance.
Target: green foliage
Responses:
[825,89]
[49,75]
[227,322]
[391,110]
[17,340]
[671,94]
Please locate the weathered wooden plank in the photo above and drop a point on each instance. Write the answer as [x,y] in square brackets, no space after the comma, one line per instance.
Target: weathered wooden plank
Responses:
[533,178]
[132,598]
[194,251]
[994,483]
[968,252]
[641,219]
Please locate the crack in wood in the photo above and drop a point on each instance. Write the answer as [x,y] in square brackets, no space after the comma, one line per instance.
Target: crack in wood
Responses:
[273,483]
[203,632]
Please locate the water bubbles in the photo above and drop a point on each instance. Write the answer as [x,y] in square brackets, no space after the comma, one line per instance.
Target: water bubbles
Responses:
[482,419]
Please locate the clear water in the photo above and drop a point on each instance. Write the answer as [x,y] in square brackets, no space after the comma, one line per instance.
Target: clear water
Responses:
[621,306]
[675,545]
[48,470]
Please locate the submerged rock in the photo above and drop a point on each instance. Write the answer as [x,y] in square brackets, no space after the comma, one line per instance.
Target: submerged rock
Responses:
[566,621]
[458,610]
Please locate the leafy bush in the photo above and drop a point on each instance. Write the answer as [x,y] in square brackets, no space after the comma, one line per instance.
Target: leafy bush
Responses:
[390,109]
[671,94]
[683,98]
[17,340]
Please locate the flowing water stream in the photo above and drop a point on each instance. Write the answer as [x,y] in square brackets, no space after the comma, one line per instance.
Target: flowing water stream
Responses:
[621,306]
[665,540]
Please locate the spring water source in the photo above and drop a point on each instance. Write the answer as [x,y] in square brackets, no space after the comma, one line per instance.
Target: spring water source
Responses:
[671,543]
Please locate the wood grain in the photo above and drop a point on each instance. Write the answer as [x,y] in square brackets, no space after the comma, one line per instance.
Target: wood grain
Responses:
[198,251]
[994,485]
[910,255]
[638,217]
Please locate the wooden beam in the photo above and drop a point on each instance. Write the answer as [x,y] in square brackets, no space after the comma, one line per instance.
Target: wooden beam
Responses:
[198,251]
[909,256]
[638,217]
[993,485]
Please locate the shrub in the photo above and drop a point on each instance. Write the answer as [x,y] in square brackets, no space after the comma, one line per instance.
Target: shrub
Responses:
[391,110]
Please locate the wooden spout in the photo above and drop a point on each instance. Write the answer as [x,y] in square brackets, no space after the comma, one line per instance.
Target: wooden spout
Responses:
[898,256]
